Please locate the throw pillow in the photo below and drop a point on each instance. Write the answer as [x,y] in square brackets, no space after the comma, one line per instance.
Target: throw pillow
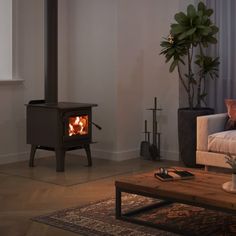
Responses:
[230,124]
[231,110]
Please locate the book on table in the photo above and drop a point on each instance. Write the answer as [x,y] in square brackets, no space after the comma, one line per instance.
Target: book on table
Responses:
[166,174]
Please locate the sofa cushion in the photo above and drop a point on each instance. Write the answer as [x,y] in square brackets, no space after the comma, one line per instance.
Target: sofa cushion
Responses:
[222,142]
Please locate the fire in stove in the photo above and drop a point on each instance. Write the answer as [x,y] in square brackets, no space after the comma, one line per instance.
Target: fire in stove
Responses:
[78,125]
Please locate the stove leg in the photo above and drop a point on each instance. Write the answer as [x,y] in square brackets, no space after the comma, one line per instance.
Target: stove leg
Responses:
[32,154]
[60,159]
[88,153]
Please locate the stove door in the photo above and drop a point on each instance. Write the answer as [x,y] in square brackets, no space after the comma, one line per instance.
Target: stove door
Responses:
[77,126]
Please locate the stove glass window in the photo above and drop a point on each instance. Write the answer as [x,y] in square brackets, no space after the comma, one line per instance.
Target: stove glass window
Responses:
[78,125]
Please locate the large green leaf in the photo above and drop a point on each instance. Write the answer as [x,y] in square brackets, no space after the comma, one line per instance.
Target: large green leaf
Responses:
[208,22]
[209,12]
[181,18]
[214,29]
[201,27]
[195,39]
[200,13]
[182,36]
[171,51]
[190,32]
[173,65]
[201,6]
[187,34]
[191,11]
[204,19]
[205,31]
[165,44]
[212,40]
[197,21]
[168,57]
[177,29]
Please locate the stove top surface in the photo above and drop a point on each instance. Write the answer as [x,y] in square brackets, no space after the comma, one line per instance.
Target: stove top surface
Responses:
[63,105]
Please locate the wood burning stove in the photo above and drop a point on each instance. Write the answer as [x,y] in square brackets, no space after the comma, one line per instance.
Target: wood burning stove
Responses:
[53,125]
[59,127]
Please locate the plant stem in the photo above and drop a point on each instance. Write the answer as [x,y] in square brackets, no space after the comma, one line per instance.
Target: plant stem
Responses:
[201,78]
[187,89]
[204,91]
[190,74]
[181,79]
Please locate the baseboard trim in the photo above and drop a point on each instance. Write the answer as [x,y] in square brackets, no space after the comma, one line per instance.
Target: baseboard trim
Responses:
[22,156]
[170,155]
[111,155]
[126,155]
[96,153]
[116,156]
[13,157]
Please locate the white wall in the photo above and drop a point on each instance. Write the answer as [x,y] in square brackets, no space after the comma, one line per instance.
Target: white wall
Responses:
[5,39]
[14,96]
[130,63]
[114,61]
[158,82]
[92,63]
[109,54]
[28,65]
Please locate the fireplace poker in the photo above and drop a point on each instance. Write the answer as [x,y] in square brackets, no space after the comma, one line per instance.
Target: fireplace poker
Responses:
[155,153]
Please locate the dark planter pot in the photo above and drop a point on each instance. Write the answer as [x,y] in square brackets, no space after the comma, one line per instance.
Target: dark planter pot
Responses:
[187,133]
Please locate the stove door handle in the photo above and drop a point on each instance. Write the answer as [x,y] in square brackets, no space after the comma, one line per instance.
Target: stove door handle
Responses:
[96,125]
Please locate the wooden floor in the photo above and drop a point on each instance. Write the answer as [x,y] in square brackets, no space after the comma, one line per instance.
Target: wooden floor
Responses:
[23,197]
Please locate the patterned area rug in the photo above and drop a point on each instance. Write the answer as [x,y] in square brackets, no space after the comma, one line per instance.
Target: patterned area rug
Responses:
[98,219]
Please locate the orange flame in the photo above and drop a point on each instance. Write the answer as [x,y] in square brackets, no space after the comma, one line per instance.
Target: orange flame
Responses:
[78,125]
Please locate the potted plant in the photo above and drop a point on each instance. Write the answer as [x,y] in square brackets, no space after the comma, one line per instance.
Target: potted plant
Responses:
[185,49]
[231,160]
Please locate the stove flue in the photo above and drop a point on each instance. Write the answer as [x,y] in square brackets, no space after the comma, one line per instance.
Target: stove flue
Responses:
[51,50]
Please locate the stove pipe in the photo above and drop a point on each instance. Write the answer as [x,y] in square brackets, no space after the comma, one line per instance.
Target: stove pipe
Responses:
[51,50]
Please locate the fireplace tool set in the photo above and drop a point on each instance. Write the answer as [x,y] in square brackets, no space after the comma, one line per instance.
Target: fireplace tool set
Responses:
[148,150]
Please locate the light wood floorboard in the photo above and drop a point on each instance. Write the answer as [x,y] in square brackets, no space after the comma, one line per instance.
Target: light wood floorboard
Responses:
[22,198]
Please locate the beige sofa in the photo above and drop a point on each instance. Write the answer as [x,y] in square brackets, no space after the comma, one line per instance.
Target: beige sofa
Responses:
[213,142]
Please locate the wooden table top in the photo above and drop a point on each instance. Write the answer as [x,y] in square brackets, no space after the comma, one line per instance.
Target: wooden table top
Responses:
[204,190]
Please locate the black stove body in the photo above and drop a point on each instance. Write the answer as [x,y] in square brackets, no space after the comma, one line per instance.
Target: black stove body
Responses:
[59,127]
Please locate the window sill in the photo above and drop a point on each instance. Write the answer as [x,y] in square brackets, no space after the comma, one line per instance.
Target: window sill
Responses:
[11,81]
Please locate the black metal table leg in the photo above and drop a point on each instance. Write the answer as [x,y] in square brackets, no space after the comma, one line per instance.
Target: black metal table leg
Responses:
[88,153]
[32,154]
[118,203]
[60,159]
[127,216]
[147,208]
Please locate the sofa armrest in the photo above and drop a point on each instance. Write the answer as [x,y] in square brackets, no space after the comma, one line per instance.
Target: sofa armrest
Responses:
[207,125]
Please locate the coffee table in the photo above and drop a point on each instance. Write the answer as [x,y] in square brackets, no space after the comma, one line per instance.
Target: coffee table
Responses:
[205,190]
